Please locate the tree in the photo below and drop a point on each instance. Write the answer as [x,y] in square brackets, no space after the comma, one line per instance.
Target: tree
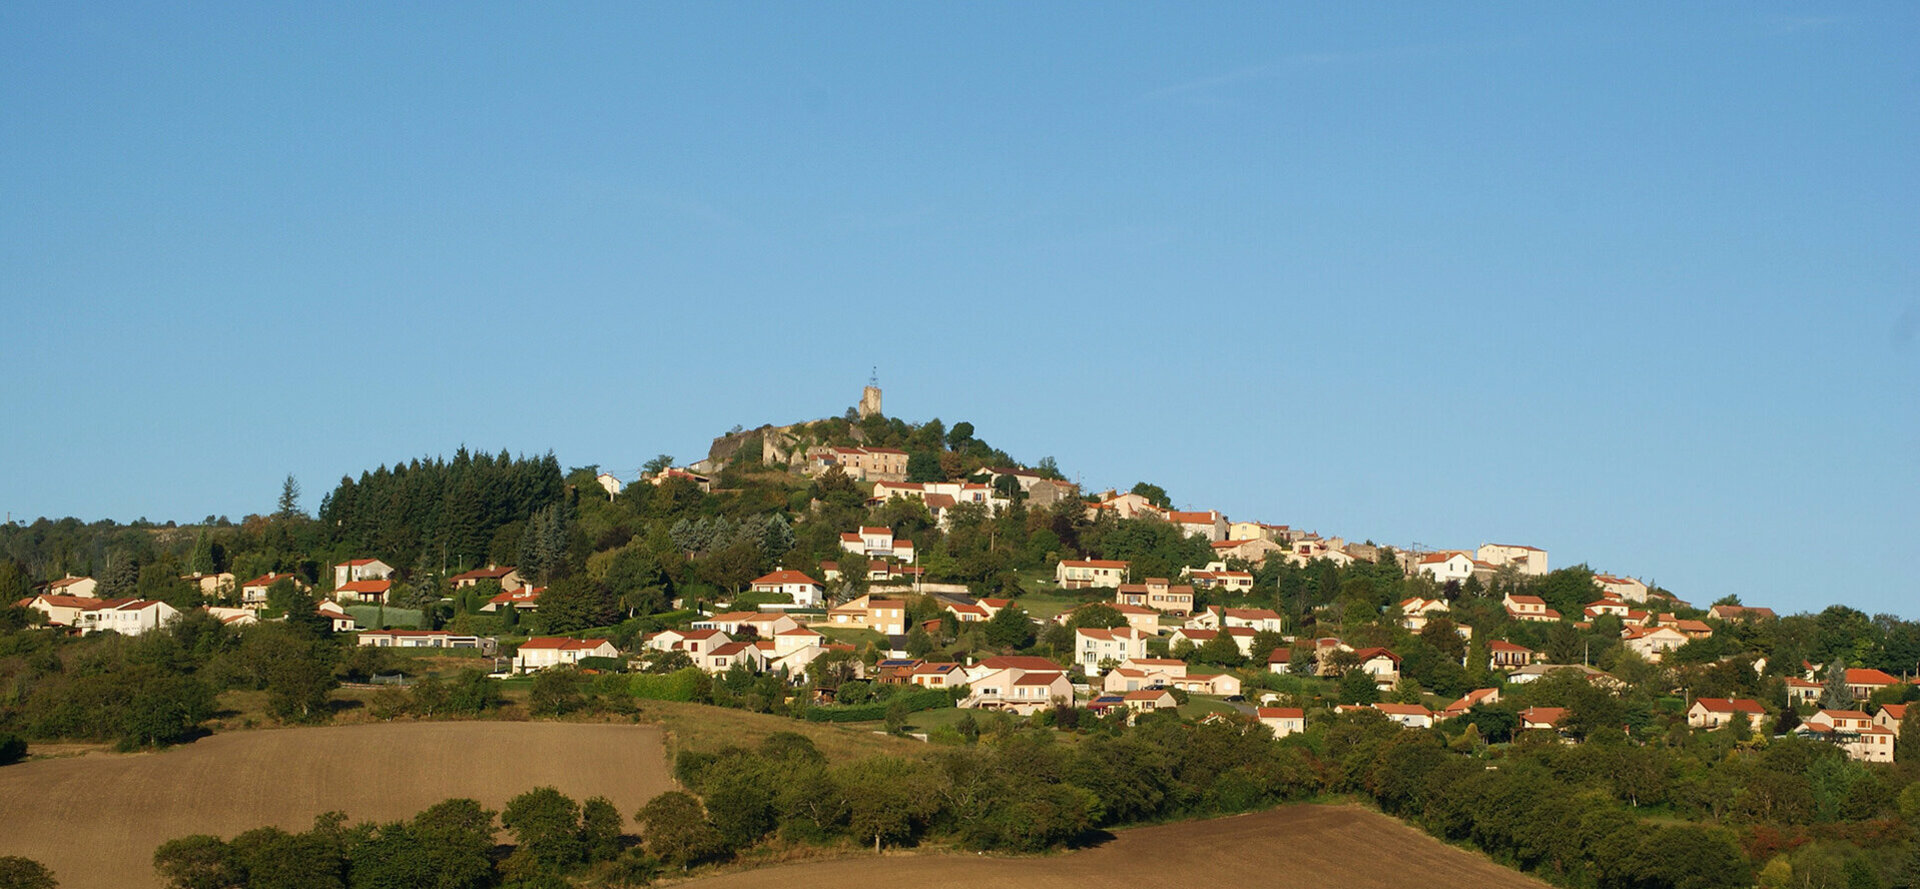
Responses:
[1356,687]
[924,466]
[545,824]
[1155,494]
[1837,695]
[289,505]
[556,692]
[600,829]
[1010,628]
[199,861]
[959,436]
[674,827]
[887,798]
[24,873]
[455,838]
[657,465]
[1097,616]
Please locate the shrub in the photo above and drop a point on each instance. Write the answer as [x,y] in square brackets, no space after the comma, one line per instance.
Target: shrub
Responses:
[12,749]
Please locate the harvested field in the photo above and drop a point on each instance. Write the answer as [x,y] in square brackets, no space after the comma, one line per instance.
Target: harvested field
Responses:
[1342,846]
[96,819]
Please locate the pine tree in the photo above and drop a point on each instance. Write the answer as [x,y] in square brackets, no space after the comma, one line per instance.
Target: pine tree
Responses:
[289,498]
[1837,695]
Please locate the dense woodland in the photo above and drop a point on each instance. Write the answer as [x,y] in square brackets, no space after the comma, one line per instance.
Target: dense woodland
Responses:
[1638,800]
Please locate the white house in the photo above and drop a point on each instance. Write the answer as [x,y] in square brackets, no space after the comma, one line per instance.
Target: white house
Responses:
[360,569]
[254,592]
[1092,646]
[805,591]
[1529,560]
[128,617]
[1712,713]
[1283,721]
[542,652]
[1651,643]
[1074,574]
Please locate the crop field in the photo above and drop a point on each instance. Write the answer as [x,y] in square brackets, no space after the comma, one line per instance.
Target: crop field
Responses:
[96,819]
[1293,846]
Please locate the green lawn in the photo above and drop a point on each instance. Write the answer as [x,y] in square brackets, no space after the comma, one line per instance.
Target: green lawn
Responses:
[858,637]
[374,617]
[1199,705]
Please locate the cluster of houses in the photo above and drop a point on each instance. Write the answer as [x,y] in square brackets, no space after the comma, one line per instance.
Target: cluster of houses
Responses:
[74,604]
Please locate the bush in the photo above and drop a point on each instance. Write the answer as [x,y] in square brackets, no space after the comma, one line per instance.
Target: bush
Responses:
[906,702]
[12,749]
[680,685]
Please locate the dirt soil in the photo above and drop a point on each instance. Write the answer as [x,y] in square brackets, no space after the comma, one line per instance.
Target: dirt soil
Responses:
[95,819]
[1342,846]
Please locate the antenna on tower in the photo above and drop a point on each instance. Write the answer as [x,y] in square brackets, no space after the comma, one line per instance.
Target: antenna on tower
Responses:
[873,379]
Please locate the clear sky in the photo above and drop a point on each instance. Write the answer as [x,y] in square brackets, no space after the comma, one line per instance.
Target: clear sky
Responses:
[1636,283]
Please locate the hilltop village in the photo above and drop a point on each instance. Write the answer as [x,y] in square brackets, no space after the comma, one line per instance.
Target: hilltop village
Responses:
[913,580]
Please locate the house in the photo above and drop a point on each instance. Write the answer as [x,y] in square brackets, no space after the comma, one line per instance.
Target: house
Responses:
[1609,605]
[1092,647]
[211,585]
[526,598]
[1743,614]
[1447,565]
[1158,594]
[1524,675]
[1692,629]
[1531,608]
[1220,578]
[62,611]
[887,617]
[1019,690]
[1255,551]
[360,569]
[254,592]
[508,578]
[1124,506]
[75,587]
[1621,587]
[1214,617]
[1408,715]
[1381,664]
[1283,721]
[1853,732]
[341,621]
[1415,612]
[674,473]
[542,652]
[1476,698]
[877,543]
[803,590]
[1210,526]
[695,644]
[1651,643]
[1030,663]
[128,617]
[1242,637]
[937,675]
[1712,713]
[727,655]
[363,591]
[1504,655]
[1077,574]
[609,483]
[1542,718]
[1803,691]
[1144,620]
[423,639]
[1864,682]
[1149,700]
[1890,716]
[1257,531]
[1280,661]
[1529,560]
[863,464]
[759,624]
[1220,684]
[232,617]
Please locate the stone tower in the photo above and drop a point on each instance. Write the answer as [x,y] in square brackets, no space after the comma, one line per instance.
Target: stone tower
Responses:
[870,402]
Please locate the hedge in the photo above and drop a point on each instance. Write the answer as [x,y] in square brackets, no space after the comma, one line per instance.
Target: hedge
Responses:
[915,701]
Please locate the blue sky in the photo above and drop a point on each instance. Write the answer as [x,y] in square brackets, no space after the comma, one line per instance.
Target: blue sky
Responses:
[1633,283]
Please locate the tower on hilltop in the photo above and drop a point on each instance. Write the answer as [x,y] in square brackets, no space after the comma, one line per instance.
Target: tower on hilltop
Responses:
[870,396]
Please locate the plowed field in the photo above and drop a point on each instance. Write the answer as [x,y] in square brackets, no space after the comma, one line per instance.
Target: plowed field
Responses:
[96,819]
[1341,846]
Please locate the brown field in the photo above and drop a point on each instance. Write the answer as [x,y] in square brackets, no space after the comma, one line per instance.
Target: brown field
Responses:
[1343,846]
[96,819]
